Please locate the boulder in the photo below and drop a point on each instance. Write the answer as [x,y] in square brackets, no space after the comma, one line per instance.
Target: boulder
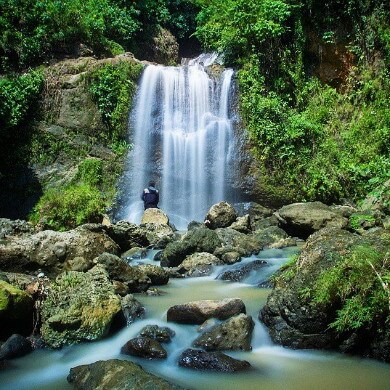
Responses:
[16,227]
[220,215]
[131,309]
[144,347]
[303,219]
[15,346]
[211,361]
[197,312]
[273,237]
[161,334]
[154,216]
[199,264]
[298,318]
[157,275]
[242,224]
[79,307]
[361,221]
[16,310]
[119,270]
[134,253]
[127,235]
[243,271]
[52,252]
[247,244]
[116,374]
[159,235]
[261,224]
[196,240]
[233,334]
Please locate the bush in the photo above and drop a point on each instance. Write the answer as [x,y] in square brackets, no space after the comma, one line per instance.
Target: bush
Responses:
[66,208]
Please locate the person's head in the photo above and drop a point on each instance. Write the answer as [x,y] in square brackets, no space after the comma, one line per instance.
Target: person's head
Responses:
[152,183]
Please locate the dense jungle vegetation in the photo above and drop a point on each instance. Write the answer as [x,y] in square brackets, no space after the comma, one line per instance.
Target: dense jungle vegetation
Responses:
[313,77]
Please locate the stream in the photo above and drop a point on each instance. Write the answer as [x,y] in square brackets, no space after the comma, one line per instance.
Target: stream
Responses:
[273,367]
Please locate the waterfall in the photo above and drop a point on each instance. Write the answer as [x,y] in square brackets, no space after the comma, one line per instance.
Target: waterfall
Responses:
[182,136]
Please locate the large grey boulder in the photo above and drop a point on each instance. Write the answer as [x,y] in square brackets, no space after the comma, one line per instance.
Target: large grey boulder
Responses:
[128,235]
[220,215]
[211,361]
[233,334]
[154,216]
[53,252]
[303,219]
[159,235]
[196,240]
[246,244]
[116,374]
[79,307]
[157,275]
[196,312]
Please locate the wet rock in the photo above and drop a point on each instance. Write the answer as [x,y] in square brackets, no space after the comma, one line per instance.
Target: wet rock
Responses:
[199,264]
[261,224]
[16,308]
[211,361]
[233,334]
[159,235]
[197,240]
[15,346]
[128,235]
[10,227]
[242,272]
[118,269]
[302,219]
[197,312]
[220,215]
[158,256]
[273,237]
[144,347]
[79,307]
[154,216]
[231,257]
[162,334]
[134,253]
[155,273]
[242,224]
[79,264]
[52,251]
[131,309]
[120,288]
[116,374]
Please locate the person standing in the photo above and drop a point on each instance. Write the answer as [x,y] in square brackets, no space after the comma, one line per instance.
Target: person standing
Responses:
[150,196]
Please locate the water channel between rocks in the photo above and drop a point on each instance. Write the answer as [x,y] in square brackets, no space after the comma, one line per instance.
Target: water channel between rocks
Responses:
[273,367]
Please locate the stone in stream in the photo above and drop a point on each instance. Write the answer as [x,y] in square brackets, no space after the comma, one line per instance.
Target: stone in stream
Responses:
[199,264]
[220,215]
[233,334]
[155,273]
[211,361]
[237,275]
[144,347]
[196,312]
[162,334]
[131,309]
[15,346]
[116,374]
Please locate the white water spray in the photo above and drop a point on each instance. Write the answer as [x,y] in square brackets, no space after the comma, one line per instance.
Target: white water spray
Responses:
[183,139]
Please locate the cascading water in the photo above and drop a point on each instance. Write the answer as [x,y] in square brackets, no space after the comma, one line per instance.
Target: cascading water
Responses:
[182,138]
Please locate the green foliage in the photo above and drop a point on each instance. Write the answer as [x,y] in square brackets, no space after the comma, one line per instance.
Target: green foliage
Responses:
[68,207]
[112,88]
[90,171]
[17,96]
[358,284]
[287,271]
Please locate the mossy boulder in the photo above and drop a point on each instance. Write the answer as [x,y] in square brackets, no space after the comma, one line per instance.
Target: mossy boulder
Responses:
[220,215]
[16,308]
[80,307]
[128,235]
[333,297]
[196,240]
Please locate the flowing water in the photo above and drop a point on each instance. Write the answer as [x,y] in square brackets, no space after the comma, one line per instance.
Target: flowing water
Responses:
[274,367]
[182,136]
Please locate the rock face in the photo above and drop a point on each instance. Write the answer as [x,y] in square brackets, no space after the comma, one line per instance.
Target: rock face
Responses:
[303,219]
[72,313]
[144,347]
[233,334]
[116,375]
[16,307]
[196,240]
[197,312]
[211,361]
[220,215]
[154,216]
[53,252]
[295,319]
[199,264]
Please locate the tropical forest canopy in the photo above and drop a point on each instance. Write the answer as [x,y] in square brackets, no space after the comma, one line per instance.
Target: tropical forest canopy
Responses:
[313,76]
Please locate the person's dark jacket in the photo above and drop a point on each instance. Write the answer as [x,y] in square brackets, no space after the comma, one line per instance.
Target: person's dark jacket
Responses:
[150,196]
